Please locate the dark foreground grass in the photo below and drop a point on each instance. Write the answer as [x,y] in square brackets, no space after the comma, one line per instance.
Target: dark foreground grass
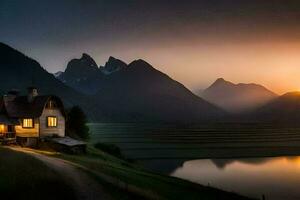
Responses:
[147,184]
[24,177]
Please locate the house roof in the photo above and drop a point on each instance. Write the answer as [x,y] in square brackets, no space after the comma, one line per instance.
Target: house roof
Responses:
[20,107]
[67,141]
[4,119]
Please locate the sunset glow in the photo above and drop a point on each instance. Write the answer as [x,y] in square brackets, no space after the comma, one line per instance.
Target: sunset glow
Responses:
[241,42]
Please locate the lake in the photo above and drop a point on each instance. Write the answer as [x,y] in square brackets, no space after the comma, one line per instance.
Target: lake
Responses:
[277,178]
[232,157]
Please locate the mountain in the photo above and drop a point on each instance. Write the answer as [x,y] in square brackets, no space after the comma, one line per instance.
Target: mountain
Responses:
[141,91]
[82,75]
[85,76]
[133,93]
[285,108]
[138,92]
[237,98]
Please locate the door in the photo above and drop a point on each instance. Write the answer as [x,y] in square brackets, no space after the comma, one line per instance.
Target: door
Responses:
[10,131]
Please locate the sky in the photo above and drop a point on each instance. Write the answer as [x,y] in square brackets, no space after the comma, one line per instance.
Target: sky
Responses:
[194,42]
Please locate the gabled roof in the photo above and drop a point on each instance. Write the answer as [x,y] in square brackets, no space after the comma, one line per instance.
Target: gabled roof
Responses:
[20,107]
[67,141]
[4,119]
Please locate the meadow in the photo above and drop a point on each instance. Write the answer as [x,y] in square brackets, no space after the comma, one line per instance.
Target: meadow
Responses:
[126,180]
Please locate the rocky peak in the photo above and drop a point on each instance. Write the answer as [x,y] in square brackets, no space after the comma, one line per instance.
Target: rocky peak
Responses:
[85,58]
[221,82]
[113,65]
[141,64]
[82,66]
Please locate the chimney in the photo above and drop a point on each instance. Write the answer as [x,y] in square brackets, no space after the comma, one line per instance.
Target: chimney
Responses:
[11,94]
[32,93]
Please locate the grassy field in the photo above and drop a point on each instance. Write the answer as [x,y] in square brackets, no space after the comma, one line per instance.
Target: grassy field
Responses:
[134,179]
[24,177]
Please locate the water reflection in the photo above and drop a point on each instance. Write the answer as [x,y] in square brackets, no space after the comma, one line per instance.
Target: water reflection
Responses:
[165,166]
[277,178]
[222,163]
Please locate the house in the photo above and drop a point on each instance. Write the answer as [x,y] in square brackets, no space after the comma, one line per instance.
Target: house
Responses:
[27,119]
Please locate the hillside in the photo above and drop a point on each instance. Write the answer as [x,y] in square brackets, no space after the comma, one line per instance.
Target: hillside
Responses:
[285,108]
[135,180]
[237,98]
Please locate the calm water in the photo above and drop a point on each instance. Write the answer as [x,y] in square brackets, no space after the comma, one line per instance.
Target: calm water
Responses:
[277,178]
[184,151]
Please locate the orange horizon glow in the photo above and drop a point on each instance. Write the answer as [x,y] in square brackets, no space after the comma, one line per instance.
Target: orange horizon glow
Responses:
[271,63]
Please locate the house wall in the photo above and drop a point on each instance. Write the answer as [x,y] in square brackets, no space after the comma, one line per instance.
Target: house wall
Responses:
[50,131]
[3,128]
[28,132]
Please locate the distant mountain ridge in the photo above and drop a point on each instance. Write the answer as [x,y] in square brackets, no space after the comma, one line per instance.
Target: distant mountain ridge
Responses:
[85,76]
[237,98]
[139,90]
[141,87]
[136,92]
[284,109]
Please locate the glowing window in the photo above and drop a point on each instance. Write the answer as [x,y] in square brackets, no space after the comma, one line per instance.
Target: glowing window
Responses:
[1,128]
[27,123]
[51,121]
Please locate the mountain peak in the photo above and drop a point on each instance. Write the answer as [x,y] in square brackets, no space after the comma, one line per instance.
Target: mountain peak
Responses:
[221,82]
[111,59]
[82,66]
[141,66]
[113,65]
[140,62]
[237,97]
[88,60]
[86,56]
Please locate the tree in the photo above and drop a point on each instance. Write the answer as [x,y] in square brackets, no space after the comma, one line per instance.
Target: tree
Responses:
[76,124]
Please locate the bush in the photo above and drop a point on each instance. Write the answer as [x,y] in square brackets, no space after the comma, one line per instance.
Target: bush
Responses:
[76,124]
[109,148]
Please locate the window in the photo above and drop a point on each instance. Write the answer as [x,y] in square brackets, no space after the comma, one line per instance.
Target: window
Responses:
[51,121]
[27,123]
[2,128]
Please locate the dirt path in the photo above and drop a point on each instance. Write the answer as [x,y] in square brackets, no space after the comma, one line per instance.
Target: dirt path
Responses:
[85,187]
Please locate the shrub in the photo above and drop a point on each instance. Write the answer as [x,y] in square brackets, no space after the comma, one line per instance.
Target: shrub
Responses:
[76,124]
